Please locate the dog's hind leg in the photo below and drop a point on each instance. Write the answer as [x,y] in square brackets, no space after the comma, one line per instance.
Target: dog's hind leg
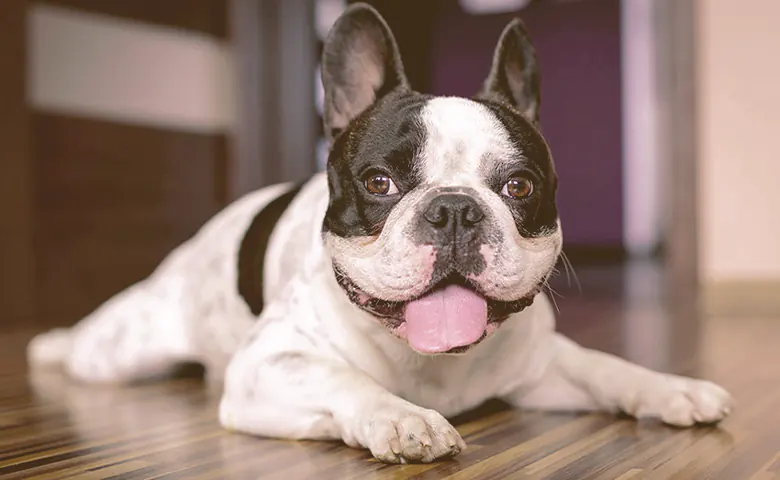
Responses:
[139,333]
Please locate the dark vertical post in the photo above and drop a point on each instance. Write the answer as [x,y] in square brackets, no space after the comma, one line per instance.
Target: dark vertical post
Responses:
[275,134]
[413,24]
[297,66]
[17,260]
[675,22]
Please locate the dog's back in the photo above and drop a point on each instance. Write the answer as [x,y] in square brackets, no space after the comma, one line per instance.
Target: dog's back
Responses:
[219,280]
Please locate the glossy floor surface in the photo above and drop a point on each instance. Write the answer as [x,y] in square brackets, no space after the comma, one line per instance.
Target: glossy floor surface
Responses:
[52,428]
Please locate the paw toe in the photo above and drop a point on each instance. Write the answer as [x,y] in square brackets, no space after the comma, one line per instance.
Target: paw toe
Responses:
[697,402]
[414,437]
[711,403]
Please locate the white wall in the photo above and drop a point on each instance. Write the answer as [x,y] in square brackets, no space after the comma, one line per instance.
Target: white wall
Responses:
[122,70]
[739,122]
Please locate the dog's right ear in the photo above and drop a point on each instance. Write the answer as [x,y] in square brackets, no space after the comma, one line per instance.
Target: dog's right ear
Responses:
[360,64]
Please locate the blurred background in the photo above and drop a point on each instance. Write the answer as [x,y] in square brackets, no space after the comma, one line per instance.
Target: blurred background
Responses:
[126,124]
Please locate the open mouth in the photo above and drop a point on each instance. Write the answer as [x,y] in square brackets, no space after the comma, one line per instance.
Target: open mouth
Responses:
[450,317]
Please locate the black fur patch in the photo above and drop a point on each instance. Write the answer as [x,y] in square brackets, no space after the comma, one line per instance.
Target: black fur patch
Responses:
[251,255]
[536,216]
[386,137]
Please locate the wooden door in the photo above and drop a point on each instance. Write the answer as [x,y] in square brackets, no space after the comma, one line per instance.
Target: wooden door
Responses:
[115,135]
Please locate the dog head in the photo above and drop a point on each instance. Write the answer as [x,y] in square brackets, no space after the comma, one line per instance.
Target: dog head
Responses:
[442,219]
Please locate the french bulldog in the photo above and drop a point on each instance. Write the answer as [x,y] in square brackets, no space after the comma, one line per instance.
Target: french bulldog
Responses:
[398,288]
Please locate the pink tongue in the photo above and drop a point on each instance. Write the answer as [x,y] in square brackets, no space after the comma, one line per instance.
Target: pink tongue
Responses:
[451,317]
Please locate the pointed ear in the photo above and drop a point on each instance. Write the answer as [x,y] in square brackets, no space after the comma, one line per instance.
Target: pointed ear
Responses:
[514,76]
[360,64]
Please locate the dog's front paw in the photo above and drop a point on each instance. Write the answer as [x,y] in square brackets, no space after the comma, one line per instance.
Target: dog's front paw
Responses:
[682,402]
[410,434]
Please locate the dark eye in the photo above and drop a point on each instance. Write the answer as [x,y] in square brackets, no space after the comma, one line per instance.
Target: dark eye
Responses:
[380,184]
[518,187]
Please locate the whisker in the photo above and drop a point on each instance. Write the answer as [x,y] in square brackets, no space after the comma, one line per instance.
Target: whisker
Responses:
[570,272]
[552,290]
[552,295]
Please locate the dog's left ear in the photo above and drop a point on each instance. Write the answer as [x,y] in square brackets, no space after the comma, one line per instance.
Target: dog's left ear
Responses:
[514,76]
[360,64]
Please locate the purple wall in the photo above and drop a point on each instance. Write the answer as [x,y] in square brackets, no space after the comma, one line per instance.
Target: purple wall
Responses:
[579,52]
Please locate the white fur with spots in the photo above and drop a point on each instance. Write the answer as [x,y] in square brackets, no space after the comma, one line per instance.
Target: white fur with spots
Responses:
[314,366]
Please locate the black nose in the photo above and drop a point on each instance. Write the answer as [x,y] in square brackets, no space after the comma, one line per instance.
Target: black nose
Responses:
[453,212]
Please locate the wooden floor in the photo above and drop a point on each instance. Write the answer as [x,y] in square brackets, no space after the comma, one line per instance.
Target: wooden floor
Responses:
[50,428]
